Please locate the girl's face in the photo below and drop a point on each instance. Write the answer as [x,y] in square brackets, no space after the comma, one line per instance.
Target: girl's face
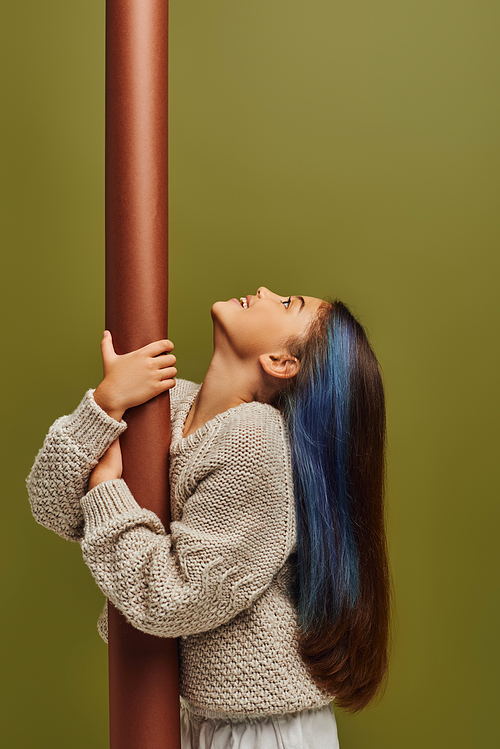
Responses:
[262,323]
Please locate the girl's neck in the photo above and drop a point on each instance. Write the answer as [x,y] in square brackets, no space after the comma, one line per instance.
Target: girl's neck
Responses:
[223,387]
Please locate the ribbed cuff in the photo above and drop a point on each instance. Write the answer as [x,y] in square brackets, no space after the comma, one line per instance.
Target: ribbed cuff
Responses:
[91,427]
[107,500]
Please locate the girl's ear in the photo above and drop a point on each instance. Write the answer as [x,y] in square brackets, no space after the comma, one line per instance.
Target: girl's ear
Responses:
[279,365]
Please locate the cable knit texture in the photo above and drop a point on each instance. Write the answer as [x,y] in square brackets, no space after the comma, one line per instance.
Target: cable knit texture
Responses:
[220,579]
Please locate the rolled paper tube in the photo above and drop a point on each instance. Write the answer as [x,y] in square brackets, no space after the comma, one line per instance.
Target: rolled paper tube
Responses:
[143,670]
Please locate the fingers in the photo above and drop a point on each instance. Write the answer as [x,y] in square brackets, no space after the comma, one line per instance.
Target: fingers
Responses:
[165,366]
[107,351]
[158,347]
[166,384]
[152,349]
[165,360]
[168,374]
[107,348]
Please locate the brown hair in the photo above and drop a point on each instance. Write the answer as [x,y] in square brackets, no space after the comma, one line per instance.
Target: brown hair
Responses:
[343,638]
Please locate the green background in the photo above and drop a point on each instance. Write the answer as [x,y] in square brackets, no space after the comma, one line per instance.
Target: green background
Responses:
[323,148]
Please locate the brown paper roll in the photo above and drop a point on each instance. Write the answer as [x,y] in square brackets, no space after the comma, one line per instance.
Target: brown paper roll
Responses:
[143,670]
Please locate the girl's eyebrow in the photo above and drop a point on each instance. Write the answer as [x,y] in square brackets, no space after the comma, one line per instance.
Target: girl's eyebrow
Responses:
[302,302]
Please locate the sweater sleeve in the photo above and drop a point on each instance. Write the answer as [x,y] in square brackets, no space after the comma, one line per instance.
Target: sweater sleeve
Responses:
[71,449]
[59,476]
[234,535]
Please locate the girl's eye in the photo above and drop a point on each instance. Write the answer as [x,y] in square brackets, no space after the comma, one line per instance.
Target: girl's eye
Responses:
[287,303]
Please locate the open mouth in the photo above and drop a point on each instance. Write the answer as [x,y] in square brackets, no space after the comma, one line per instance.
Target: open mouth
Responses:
[243,302]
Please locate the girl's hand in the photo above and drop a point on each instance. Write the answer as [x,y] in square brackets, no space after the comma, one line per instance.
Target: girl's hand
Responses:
[134,378]
[110,466]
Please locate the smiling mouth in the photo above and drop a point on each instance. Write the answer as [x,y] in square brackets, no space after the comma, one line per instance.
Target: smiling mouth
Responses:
[243,302]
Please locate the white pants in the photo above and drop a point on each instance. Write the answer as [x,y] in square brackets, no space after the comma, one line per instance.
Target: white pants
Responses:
[308,729]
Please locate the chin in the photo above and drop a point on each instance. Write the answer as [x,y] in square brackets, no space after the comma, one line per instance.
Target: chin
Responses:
[219,311]
[221,308]
[224,316]
[215,310]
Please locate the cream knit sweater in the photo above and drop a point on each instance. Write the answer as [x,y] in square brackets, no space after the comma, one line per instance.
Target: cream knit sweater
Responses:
[220,579]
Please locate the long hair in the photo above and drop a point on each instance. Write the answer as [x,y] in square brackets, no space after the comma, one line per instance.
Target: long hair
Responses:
[335,414]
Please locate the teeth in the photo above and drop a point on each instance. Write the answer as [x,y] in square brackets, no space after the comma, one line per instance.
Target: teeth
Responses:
[244,302]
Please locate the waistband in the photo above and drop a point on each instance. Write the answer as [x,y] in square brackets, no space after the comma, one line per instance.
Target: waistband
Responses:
[201,712]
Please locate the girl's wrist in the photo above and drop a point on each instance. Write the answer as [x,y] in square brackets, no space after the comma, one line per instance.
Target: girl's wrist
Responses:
[100,479]
[111,409]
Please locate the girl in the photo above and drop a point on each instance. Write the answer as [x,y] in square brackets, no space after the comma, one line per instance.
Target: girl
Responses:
[274,571]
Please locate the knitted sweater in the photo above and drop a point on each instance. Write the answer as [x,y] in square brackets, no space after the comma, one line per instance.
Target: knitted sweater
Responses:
[220,579]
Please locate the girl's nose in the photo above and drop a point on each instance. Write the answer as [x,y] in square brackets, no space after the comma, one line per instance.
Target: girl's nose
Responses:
[264,293]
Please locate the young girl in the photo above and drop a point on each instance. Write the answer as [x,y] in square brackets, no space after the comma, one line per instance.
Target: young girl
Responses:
[274,571]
